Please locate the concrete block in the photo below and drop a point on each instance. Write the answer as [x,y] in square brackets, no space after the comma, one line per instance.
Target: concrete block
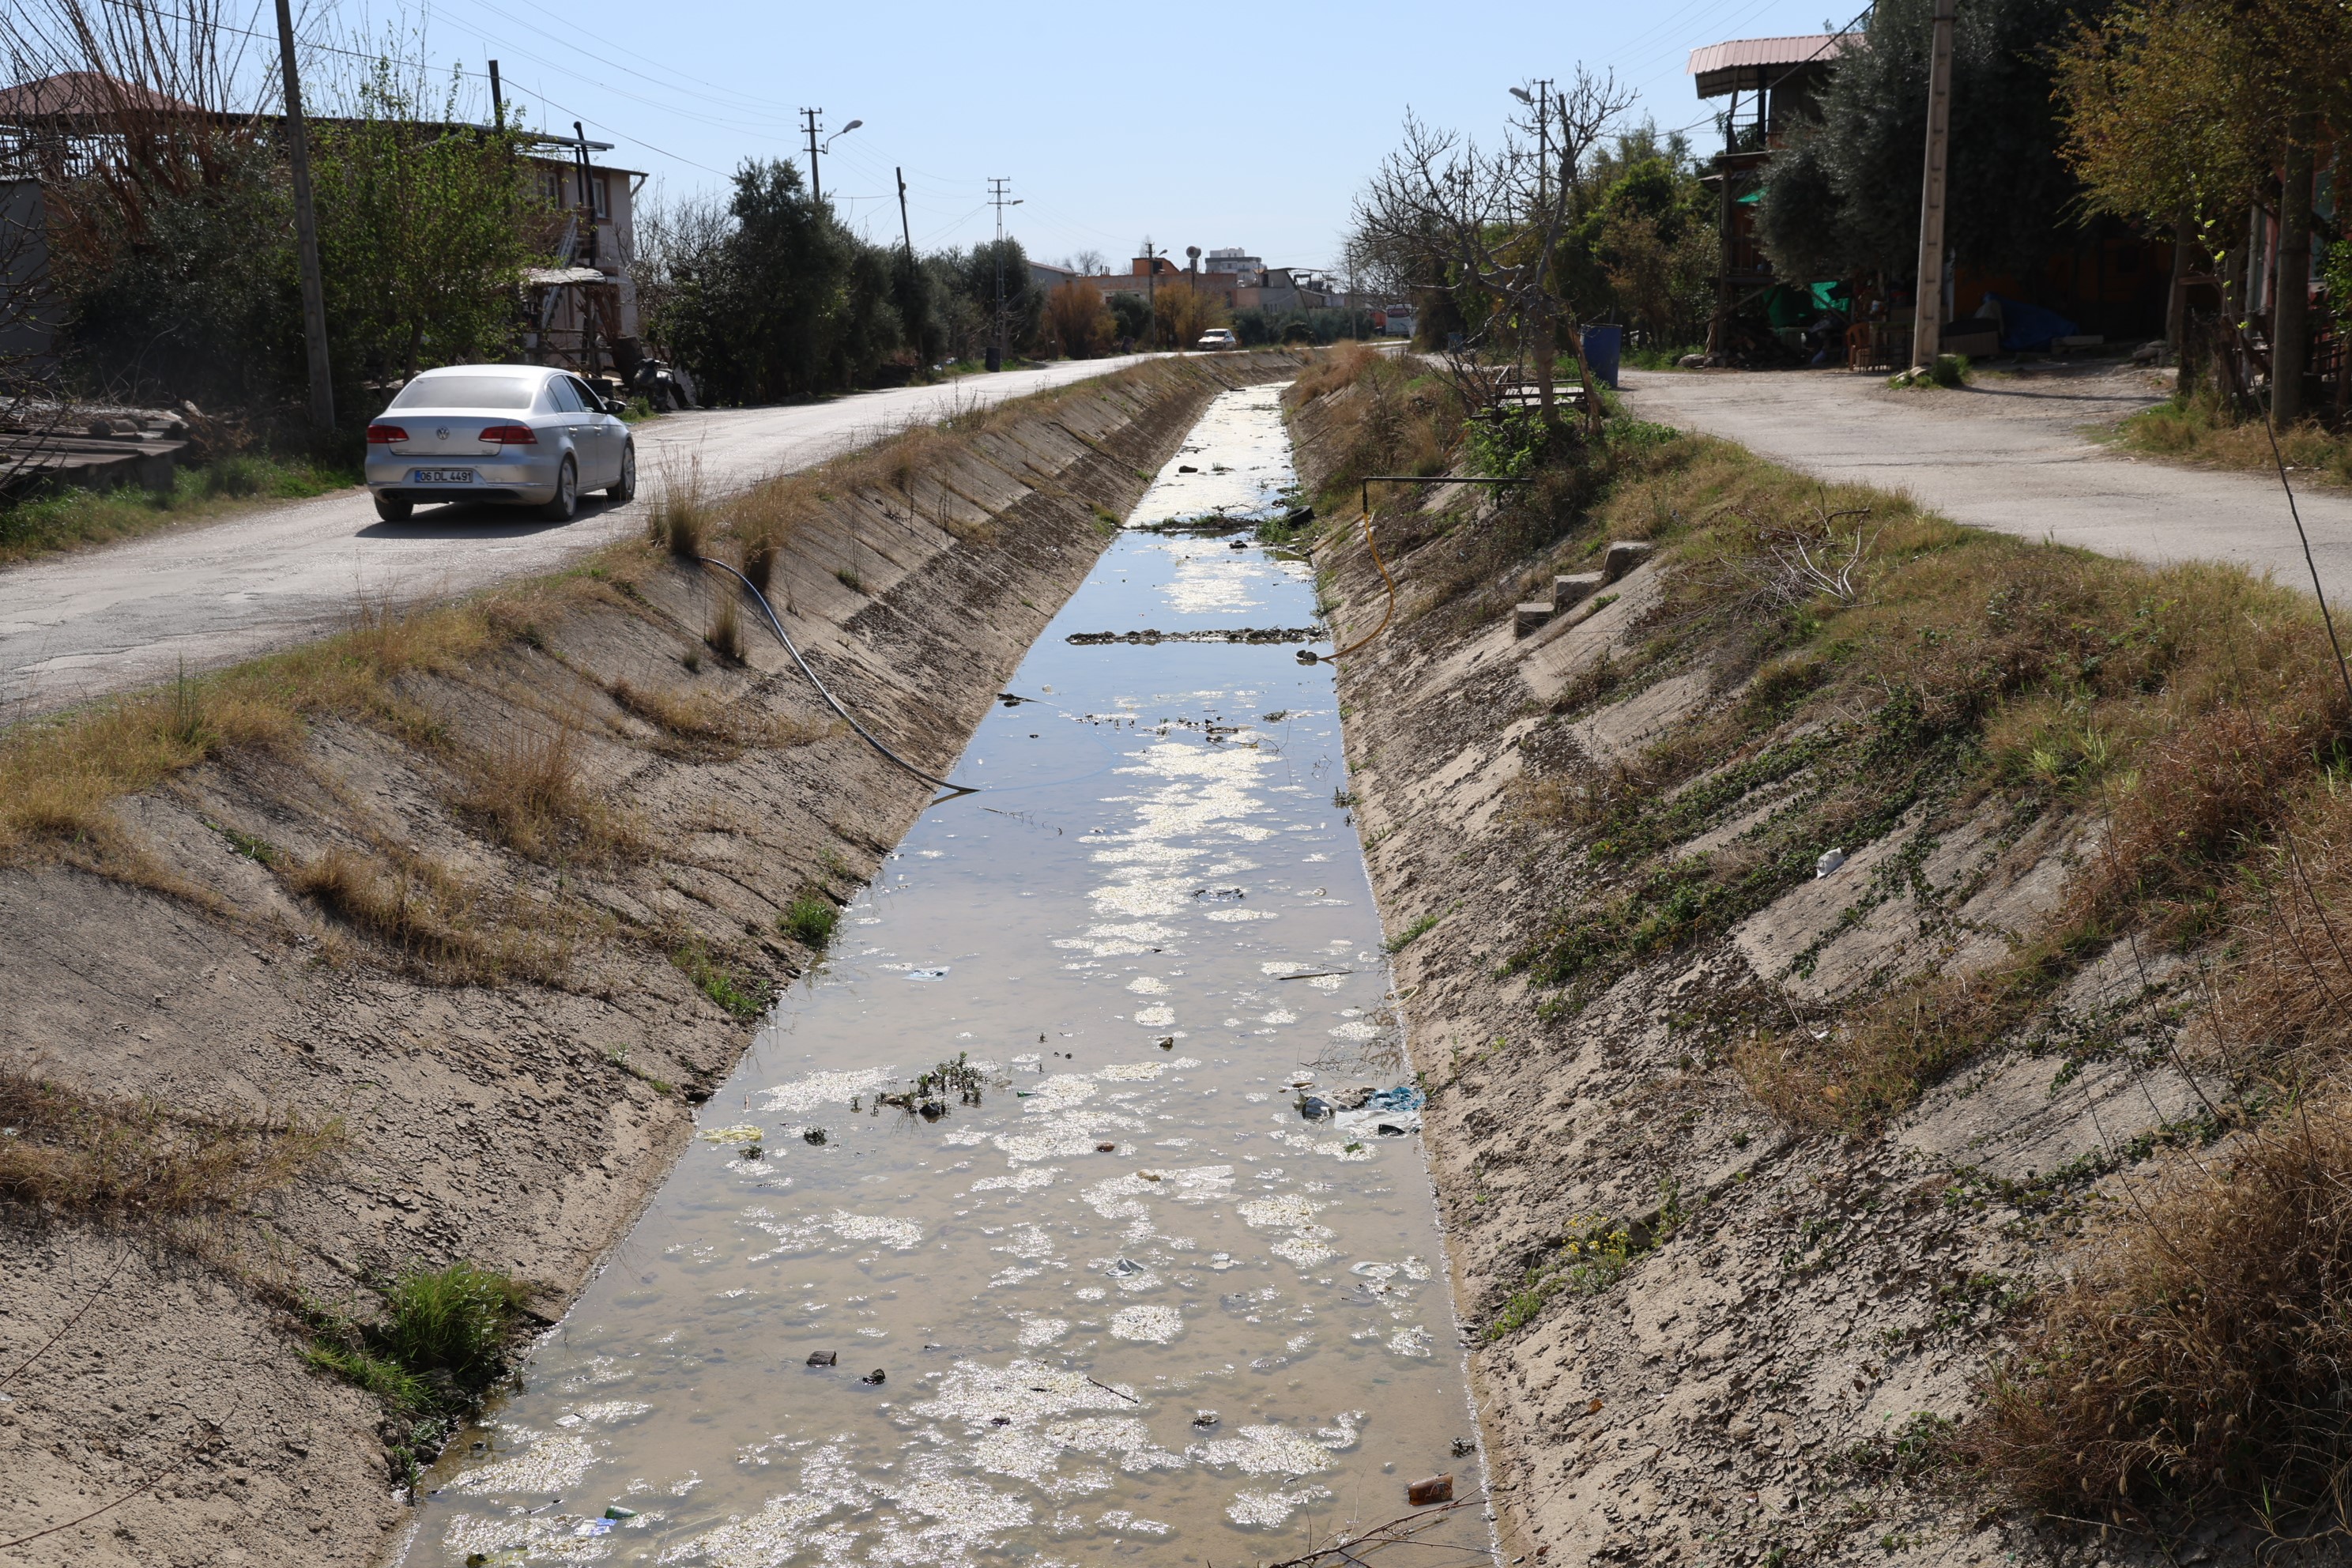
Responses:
[1566,593]
[1624,554]
[1526,618]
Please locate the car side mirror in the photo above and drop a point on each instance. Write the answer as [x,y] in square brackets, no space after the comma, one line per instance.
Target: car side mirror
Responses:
[615,407]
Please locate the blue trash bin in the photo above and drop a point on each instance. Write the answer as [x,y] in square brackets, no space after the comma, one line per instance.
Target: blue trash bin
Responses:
[1602,348]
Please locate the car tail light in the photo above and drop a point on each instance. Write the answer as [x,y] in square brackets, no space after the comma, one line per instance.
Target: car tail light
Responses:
[383,434]
[510,435]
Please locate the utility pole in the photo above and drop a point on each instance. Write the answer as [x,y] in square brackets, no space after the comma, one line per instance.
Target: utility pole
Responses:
[306,230]
[904,229]
[1543,143]
[817,186]
[1151,289]
[497,97]
[1927,309]
[1718,325]
[998,189]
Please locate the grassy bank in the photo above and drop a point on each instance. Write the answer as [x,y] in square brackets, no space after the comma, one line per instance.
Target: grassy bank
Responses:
[72,519]
[1857,671]
[2198,429]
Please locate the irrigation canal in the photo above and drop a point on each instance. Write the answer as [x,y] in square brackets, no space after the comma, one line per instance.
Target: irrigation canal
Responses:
[1101,1292]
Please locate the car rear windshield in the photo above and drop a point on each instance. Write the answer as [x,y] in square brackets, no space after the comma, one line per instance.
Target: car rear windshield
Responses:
[469,391]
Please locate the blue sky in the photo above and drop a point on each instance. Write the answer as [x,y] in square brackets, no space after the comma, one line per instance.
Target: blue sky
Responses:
[1250,125]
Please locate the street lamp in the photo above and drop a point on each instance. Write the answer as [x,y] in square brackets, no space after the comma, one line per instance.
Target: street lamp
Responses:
[816,184]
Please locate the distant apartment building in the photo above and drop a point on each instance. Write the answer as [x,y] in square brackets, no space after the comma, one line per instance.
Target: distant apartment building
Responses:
[1244,283]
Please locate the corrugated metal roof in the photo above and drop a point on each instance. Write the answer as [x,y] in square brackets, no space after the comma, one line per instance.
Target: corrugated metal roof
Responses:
[84,95]
[1771,51]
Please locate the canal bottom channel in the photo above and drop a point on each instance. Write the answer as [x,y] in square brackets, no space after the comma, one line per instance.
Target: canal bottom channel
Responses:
[1100,1289]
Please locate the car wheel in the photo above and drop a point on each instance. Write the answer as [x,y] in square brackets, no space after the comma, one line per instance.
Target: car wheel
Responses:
[392,511]
[624,489]
[565,503]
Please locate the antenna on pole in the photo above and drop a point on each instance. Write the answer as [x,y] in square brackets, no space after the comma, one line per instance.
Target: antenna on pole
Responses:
[999,197]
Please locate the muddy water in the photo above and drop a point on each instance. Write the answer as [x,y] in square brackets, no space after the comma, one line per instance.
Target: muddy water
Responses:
[1129,1306]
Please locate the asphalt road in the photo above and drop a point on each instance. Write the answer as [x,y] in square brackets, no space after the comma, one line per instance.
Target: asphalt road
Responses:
[126,616]
[2015,454]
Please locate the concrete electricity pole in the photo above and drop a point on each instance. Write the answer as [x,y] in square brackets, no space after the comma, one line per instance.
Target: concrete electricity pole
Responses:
[1151,289]
[306,230]
[816,189]
[1928,312]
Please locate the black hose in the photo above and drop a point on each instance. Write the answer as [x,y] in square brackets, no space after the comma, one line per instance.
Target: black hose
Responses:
[831,700]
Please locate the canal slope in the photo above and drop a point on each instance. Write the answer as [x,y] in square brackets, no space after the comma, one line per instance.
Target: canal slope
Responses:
[1724,1311]
[421,944]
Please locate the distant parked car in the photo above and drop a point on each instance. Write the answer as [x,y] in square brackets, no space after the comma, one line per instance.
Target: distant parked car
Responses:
[1217,338]
[519,433]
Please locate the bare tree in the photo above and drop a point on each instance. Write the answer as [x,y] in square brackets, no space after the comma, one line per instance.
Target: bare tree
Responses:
[1491,221]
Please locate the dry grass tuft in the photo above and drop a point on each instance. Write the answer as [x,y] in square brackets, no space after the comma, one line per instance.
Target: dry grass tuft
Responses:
[726,634]
[70,1155]
[2200,430]
[703,725]
[680,518]
[1330,370]
[529,791]
[759,562]
[439,926]
[2286,996]
[2197,1351]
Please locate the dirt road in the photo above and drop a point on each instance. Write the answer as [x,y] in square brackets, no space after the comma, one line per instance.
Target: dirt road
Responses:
[2016,454]
[111,620]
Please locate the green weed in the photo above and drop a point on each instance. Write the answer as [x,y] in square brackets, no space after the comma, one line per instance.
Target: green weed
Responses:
[810,920]
[744,995]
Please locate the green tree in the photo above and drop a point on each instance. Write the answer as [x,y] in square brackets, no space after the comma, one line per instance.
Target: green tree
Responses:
[424,228]
[2185,114]
[1642,245]
[176,277]
[1851,202]
[779,300]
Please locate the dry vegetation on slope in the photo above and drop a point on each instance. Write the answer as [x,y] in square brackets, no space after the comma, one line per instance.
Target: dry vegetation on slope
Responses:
[358,995]
[1758,1170]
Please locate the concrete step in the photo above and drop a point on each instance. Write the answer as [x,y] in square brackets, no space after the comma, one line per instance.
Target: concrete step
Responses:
[1624,554]
[1569,592]
[1526,618]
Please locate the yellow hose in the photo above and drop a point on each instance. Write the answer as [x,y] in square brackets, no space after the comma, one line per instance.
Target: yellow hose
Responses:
[1386,614]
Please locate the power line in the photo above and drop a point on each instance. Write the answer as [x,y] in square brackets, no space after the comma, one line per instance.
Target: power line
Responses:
[373,56]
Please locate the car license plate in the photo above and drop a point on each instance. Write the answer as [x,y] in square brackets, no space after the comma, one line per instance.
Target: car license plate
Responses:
[441,477]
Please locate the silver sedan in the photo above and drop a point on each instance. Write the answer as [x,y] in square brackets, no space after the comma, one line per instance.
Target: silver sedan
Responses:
[517,434]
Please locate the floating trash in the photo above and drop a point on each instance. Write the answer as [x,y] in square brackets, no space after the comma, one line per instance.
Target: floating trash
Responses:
[1155,1325]
[550,1466]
